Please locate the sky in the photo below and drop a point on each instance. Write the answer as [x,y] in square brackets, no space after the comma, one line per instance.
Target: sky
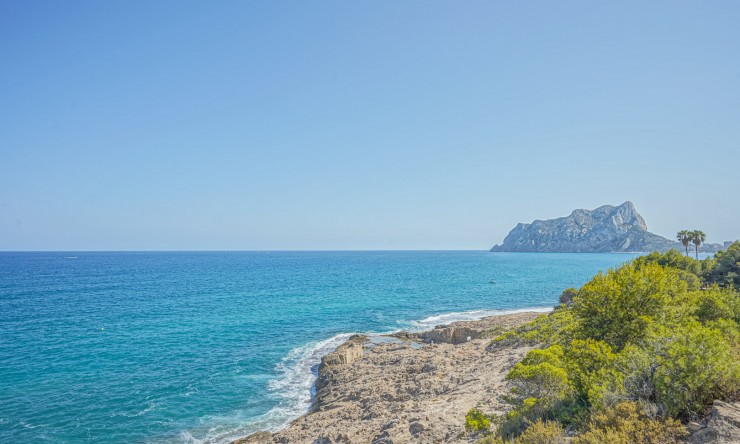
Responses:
[257,125]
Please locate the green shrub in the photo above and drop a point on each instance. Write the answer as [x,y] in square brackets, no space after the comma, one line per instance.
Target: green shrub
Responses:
[636,365]
[538,432]
[625,423]
[590,366]
[541,376]
[642,334]
[567,296]
[727,268]
[715,304]
[619,306]
[548,432]
[694,367]
[674,259]
[693,282]
[730,331]
[540,386]
[545,329]
[476,421]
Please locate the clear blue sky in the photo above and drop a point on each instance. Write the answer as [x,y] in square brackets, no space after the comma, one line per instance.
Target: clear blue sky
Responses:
[360,125]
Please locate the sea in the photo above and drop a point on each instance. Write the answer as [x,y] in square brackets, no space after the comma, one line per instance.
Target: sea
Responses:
[206,347]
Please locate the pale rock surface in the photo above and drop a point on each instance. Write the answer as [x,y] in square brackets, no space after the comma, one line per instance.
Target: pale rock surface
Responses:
[722,426]
[345,353]
[407,391]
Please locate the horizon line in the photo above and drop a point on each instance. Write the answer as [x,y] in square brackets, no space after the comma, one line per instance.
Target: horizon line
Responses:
[267,251]
[243,250]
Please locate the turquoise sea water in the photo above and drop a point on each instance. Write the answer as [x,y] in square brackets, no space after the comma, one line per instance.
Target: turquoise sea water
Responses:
[207,347]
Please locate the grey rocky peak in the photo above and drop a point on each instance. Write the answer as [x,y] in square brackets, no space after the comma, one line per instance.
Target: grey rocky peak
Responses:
[605,229]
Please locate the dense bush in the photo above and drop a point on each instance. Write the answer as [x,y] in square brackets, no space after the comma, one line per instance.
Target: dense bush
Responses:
[727,269]
[546,329]
[540,375]
[715,304]
[476,421]
[619,307]
[694,366]
[567,296]
[676,260]
[540,385]
[625,423]
[590,365]
[654,336]
[540,432]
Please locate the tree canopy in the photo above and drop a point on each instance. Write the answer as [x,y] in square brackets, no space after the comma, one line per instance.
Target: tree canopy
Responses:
[643,345]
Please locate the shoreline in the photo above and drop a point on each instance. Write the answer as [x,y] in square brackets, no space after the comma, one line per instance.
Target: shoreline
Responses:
[413,385]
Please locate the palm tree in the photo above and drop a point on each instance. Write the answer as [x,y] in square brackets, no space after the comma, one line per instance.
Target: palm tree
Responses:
[685,236]
[698,237]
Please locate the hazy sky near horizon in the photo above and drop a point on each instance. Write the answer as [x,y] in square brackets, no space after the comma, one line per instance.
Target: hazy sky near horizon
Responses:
[360,125]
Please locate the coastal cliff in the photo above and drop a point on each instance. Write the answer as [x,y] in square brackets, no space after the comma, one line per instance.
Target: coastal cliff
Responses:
[605,229]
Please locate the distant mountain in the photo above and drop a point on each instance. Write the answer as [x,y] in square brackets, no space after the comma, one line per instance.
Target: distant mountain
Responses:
[605,229]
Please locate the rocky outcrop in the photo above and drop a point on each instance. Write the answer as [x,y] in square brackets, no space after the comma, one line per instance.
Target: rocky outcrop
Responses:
[345,353]
[401,391]
[722,426]
[450,335]
[605,229]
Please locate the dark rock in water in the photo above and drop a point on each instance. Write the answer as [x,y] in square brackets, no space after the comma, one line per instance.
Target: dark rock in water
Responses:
[605,229]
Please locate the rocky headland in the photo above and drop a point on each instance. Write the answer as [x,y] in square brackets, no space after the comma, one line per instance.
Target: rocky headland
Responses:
[407,387]
[605,229]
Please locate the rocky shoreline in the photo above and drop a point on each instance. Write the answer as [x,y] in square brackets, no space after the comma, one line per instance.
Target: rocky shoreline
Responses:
[406,387]
[417,387]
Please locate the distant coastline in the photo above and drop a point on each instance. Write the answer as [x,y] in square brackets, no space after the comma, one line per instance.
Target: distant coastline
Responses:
[606,229]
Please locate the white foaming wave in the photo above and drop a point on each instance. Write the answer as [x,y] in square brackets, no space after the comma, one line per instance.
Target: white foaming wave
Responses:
[297,372]
[188,438]
[472,315]
[292,389]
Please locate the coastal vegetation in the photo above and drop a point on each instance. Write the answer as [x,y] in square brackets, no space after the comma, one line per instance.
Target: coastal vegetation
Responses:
[684,236]
[630,355]
[696,237]
[476,421]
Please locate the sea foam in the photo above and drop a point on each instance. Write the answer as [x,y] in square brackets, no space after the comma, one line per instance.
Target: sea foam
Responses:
[473,315]
[292,388]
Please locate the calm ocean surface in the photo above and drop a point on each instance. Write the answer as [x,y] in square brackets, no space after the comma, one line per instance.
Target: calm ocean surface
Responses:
[207,347]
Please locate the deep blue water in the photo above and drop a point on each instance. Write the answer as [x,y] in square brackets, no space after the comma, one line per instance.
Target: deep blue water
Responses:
[206,347]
